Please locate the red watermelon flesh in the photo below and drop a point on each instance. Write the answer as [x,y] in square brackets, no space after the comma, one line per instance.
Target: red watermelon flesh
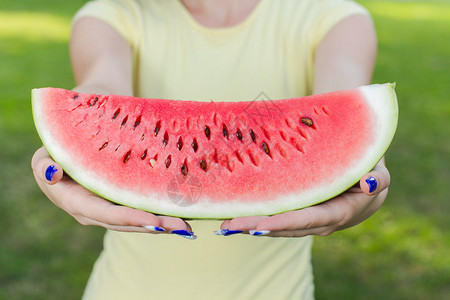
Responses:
[217,159]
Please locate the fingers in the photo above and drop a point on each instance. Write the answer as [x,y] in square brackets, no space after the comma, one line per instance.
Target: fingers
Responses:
[126,222]
[89,209]
[45,168]
[242,223]
[323,219]
[376,180]
[125,219]
[319,219]
[110,214]
[92,210]
[343,211]
[290,224]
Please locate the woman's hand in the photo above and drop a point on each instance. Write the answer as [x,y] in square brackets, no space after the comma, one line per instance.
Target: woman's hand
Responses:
[106,69]
[346,210]
[89,209]
[344,59]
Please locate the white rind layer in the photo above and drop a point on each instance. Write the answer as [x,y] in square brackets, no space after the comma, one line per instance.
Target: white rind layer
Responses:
[381,98]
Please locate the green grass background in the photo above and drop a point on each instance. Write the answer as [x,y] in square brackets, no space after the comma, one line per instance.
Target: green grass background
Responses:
[402,252]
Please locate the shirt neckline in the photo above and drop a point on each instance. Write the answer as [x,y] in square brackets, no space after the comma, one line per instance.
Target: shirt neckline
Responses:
[219,30]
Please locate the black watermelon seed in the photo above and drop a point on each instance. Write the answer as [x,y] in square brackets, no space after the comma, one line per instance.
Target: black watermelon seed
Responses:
[116,113]
[124,121]
[166,139]
[265,147]
[239,134]
[103,146]
[180,143]
[252,134]
[95,102]
[75,96]
[138,121]
[184,169]
[207,132]
[127,156]
[203,165]
[157,128]
[144,155]
[225,131]
[168,161]
[307,121]
[194,145]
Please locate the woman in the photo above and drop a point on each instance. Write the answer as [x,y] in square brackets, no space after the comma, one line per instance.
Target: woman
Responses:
[222,50]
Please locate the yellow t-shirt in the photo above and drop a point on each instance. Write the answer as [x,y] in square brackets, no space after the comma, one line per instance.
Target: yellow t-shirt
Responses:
[269,55]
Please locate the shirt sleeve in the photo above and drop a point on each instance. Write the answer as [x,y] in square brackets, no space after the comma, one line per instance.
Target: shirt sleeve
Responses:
[122,15]
[318,18]
[327,14]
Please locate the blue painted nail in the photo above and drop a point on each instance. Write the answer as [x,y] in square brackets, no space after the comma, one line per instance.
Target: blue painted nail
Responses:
[372,183]
[51,170]
[154,228]
[226,232]
[259,232]
[184,233]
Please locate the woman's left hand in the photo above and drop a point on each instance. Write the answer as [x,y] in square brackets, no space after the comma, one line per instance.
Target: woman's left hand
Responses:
[344,59]
[343,211]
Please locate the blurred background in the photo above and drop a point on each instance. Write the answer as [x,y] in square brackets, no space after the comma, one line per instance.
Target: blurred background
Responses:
[402,252]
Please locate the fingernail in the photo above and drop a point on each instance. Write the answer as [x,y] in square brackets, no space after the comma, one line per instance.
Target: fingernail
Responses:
[259,232]
[154,228]
[184,233]
[49,172]
[372,183]
[226,232]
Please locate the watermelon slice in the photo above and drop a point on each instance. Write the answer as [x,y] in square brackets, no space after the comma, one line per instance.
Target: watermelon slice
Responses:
[217,159]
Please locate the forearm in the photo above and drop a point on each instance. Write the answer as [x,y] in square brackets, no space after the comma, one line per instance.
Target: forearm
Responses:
[102,89]
[106,68]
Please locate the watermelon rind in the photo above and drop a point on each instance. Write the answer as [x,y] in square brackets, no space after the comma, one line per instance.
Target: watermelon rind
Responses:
[381,97]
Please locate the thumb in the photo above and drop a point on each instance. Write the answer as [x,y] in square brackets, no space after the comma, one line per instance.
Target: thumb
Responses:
[45,168]
[376,180]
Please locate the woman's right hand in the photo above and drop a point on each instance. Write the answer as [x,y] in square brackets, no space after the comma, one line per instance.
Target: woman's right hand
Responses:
[90,209]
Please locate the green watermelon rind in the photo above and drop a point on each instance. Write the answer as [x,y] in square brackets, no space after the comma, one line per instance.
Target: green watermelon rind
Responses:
[381,97]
